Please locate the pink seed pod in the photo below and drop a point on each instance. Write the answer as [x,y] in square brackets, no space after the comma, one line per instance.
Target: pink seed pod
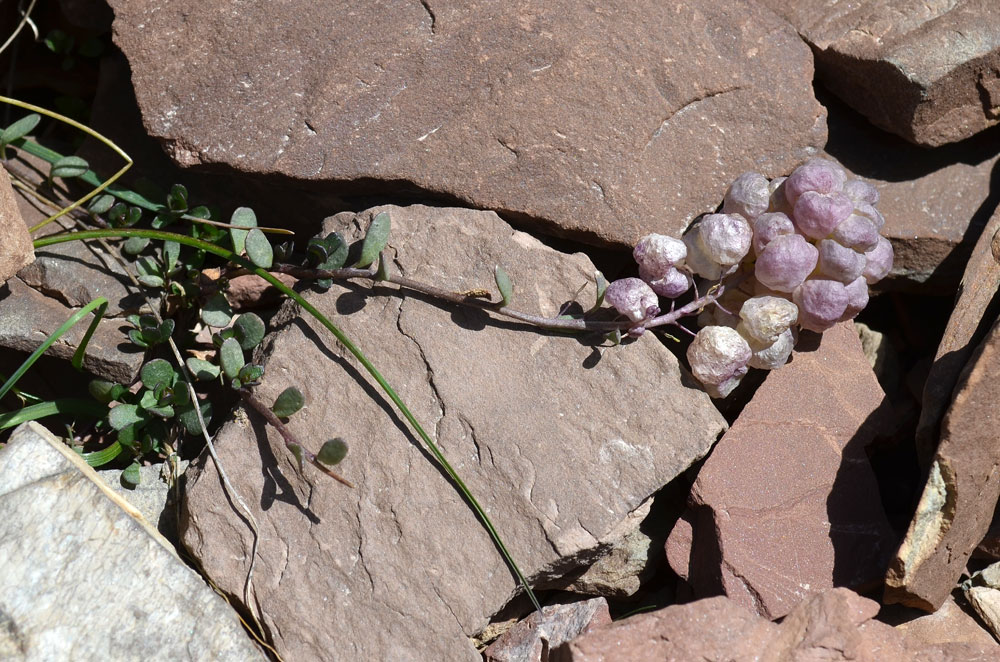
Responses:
[749,195]
[869,212]
[785,262]
[697,259]
[671,284]
[725,237]
[861,191]
[633,298]
[839,262]
[658,253]
[718,356]
[821,303]
[817,214]
[857,298]
[767,227]
[763,319]
[879,261]
[857,232]
[817,175]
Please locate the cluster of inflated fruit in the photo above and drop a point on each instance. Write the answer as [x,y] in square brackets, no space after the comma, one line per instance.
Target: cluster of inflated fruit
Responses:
[794,252]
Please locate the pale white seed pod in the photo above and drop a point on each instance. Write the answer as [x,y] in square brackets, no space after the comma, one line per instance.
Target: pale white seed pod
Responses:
[725,237]
[718,356]
[656,254]
[776,354]
[878,261]
[749,195]
[633,298]
[697,259]
[839,262]
[765,318]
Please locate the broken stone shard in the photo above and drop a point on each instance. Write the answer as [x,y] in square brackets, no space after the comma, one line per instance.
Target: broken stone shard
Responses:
[14,238]
[85,578]
[560,440]
[587,121]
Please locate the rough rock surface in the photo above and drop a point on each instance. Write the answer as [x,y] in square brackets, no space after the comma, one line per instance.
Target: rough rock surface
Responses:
[960,496]
[14,237]
[787,504]
[982,590]
[559,439]
[84,578]
[532,639]
[153,497]
[950,623]
[975,311]
[591,121]
[928,71]
[833,625]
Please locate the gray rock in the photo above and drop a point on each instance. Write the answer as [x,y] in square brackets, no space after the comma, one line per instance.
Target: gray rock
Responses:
[928,71]
[982,590]
[14,237]
[154,496]
[559,440]
[531,639]
[84,578]
[599,122]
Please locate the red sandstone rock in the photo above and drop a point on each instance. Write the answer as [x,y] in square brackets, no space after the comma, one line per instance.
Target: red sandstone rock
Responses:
[531,639]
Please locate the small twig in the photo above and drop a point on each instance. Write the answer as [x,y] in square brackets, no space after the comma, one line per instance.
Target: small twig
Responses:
[288,436]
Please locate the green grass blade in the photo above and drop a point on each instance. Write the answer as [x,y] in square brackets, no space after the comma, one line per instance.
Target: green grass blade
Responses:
[99,302]
[78,355]
[340,336]
[103,456]
[78,406]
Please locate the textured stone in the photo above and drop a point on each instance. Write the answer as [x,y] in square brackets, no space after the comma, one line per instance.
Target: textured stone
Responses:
[28,317]
[153,497]
[950,623]
[787,504]
[533,638]
[958,501]
[14,237]
[928,71]
[833,625]
[982,590]
[975,311]
[85,578]
[560,440]
[599,122]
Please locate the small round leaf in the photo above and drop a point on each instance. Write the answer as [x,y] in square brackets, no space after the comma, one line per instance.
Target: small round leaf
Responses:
[202,369]
[288,402]
[216,311]
[259,249]
[332,452]
[69,166]
[249,330]
[188,417]
[503,284]
[122,416]
[244,218]
[375,239]
[20,128]
[131,476]
[231,358]
[157,371]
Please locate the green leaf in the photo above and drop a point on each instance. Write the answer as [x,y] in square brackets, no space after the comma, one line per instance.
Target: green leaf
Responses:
[216,311]
[137,338]
[231,358]
[245,218]
[131,475]
[383,267]
[135,245]
[333,452]
[250,374]
[288,402]
[503,284]
[101,204]
[259,249]
[163,220]
[171,253]
[148,272]
[201,369]
[19,129]
[69,166]
[128,435]
[297,452]
[177,199]
[188,418]
[249,330]
[102,390]
[103,456]
[375,240]
[328,253]
[122,416]
[158,371]
[602,287]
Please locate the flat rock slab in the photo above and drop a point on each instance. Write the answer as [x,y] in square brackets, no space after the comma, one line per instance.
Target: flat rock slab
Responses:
[14,237]
[531,639]
[950,623]
[85,578]
[787,504]
[598,122]
[831,626]
[928,71]
[960,496]
[559,440]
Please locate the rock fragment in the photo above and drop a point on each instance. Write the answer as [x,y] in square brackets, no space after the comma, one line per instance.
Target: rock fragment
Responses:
[950,623]
[85,578]
[14,238]
[982,590]
[960,496]
[581,120]
[532,639]
[787,504]
[929,72]
[560,440]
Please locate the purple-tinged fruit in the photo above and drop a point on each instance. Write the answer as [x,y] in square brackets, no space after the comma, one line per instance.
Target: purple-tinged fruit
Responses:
[839,262]
[821,303]
[817,175]
[725,237]
[774,355]
[697,259]
[767,227]
[749,195]
[879,261]
[785,262]
[658,253]
[857,298]
[817,214]
[763,319]
[633,298]
[671,284]
[718,356]
[857,232]
[861,191]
